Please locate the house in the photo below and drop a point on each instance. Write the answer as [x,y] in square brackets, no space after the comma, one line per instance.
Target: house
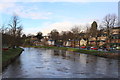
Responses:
[92,41]
[37,43]
[44,41]
[102,37]
[83,42]
[115,37]
[100,40]
[51,42]
[33,38]
[68,43]
[76,43]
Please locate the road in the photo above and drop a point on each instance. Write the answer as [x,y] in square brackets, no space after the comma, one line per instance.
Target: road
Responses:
[52,63]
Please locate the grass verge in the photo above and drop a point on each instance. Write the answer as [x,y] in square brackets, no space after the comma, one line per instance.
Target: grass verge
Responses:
[9,56]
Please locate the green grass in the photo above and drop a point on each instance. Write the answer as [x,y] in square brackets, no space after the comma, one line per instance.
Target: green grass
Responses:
[9,54]
[78,50]
[69,49]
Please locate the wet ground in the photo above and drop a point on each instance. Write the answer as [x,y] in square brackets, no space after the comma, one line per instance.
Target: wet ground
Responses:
[50,63]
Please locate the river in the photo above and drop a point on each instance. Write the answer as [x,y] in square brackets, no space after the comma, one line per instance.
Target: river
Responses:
[52,63]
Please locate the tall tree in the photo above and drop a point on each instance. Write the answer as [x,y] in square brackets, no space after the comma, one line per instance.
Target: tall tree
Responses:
[5,36]
[64,36]
[109,22]
[76,31]
[24,37]
[3,29]
[39,36]
[15,25]
[54,35]
[18,36]
[70,35]
[87,34]
[94,31]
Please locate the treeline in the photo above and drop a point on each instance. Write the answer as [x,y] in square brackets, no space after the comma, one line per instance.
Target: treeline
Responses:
[93,30]
[12,35]
[75,34]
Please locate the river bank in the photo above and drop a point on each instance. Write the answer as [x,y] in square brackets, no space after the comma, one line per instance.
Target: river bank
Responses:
[8,56]
[91,52]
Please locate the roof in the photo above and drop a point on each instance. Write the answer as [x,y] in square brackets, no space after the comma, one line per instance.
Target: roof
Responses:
[50,40]
[116,28]
[84,38]
[82,34]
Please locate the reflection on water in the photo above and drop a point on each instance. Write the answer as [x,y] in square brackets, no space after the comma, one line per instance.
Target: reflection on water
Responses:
[50,63]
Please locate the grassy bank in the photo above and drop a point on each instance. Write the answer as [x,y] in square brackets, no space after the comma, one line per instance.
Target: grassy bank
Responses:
[10,55]
[91,52]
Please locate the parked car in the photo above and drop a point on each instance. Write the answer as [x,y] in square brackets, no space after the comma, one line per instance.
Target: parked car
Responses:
[83,47]
[94,48]
[118,48]
[110,49]
[88,47]
[4,49]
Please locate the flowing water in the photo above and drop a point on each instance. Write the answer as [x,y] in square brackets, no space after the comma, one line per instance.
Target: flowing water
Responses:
[52,63]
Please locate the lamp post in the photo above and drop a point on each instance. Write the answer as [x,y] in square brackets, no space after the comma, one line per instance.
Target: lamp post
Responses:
[69,42]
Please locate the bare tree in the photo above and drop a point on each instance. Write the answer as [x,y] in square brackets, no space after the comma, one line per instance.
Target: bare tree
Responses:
[5,35]
[70,35]
[3,29]
[18,36]
[63,36]
[24,37]
[87,34]
[109,22]
[76,31]
[14,24]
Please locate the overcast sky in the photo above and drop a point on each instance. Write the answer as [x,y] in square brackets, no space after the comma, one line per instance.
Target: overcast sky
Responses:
[45,16]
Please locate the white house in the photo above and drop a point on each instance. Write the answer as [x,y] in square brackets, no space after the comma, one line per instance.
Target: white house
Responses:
[83,42]
[51,42]
[68,43]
